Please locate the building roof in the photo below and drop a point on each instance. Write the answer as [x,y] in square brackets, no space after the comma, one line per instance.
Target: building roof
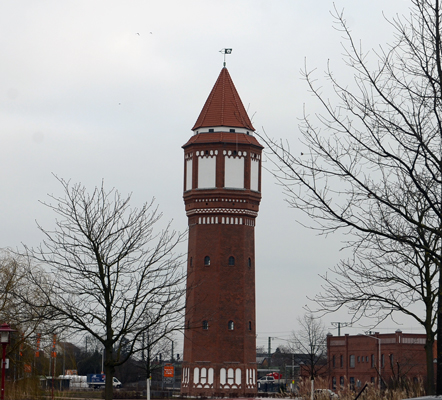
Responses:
[223,107]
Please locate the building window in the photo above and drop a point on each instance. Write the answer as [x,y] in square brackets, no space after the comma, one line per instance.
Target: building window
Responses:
[333,362]
[362,358]
[359,359]
[249,263]
[191,261]
[342,361]
[250,325]
[372,379]
[366,359]
[352,361]
[205,325]
[341,382]
[206,261]
[231,261]
[334,383]
[211,130]
[230,325]
[232,130]
[352,383]
[372,361]
[188,324]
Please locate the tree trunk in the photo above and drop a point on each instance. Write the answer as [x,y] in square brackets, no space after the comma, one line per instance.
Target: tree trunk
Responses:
[109,370]
[439,337]
[430,364]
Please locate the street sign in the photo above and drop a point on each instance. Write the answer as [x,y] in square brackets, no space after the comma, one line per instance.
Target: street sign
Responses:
[169,371]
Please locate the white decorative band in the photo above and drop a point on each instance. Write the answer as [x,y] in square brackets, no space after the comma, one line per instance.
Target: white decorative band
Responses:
[221,211]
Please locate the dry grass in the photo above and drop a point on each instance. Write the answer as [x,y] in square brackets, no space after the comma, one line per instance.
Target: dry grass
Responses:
[30,389]
[407,390]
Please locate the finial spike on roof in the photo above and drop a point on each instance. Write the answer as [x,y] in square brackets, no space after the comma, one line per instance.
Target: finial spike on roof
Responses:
[225,51]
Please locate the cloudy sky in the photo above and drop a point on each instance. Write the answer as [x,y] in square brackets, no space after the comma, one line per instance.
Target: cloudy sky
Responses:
[95,90]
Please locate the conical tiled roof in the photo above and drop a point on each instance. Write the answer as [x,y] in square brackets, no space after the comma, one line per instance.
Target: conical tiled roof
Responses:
[223,106]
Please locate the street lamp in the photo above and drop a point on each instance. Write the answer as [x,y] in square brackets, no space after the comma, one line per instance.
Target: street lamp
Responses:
[379,358]
[5,339]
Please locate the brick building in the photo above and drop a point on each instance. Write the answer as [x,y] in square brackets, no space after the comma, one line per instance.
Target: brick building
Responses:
[222,192]
[356,360]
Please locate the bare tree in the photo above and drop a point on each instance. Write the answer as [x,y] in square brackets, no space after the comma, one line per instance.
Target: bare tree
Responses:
[370,165]
[310,340]
[21,316]
[385,276]
[105,273]
[11,278]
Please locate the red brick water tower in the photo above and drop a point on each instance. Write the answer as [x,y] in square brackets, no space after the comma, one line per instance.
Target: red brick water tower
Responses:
[222,192]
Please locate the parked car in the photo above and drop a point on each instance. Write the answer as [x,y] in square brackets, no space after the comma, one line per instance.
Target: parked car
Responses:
[325,394]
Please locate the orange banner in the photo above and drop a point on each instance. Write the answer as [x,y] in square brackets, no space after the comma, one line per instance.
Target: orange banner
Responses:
[37,350]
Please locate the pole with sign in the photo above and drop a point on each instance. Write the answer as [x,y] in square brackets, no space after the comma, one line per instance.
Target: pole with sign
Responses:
[169,373]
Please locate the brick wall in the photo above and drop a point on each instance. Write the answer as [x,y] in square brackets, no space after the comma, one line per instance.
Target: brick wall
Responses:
[355,360]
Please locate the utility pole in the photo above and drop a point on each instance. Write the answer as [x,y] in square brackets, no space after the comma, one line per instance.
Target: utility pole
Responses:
[339,324]
[270,351]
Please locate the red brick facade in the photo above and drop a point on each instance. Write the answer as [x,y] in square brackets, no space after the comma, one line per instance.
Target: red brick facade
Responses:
[356,360]
[220,347]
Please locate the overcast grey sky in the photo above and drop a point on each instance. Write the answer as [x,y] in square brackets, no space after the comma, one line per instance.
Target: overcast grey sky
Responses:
[93,90]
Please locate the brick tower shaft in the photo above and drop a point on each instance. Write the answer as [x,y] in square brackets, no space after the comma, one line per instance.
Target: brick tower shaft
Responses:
[222,192]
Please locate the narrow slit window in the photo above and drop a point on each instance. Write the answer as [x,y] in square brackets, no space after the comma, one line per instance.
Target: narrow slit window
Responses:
[231,325]
[231,261]
[206,261]
[205,325]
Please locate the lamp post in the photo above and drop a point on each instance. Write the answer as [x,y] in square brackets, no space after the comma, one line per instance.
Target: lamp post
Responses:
[5,339]
[379,357]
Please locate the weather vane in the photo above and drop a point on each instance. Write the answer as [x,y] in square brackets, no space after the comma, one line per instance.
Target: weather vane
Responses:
[225,51]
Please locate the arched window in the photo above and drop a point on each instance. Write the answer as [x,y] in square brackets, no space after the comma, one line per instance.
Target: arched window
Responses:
[230,325]
[205,325]
[231,261]
[206,261]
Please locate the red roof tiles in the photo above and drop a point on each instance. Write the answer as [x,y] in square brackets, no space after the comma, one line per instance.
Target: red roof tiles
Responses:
[223,107]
